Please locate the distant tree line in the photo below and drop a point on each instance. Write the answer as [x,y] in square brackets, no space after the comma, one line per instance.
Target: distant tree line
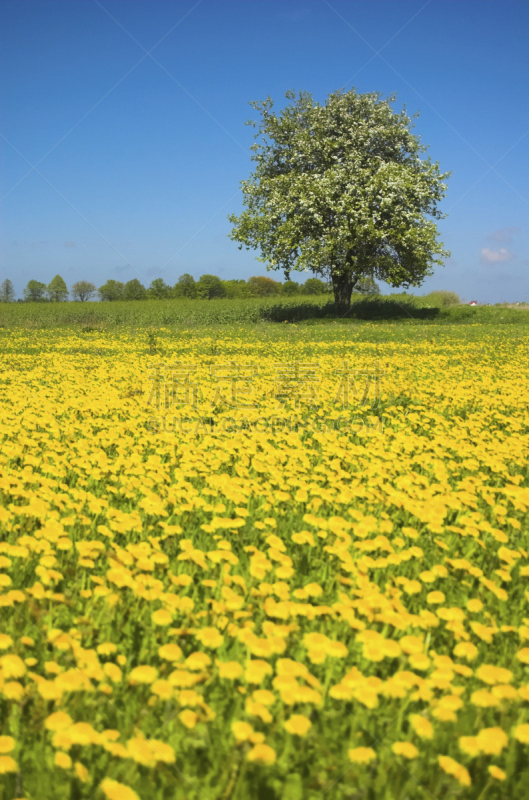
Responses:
[207,287]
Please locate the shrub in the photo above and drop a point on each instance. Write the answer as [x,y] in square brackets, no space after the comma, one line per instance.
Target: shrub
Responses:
[443,298]
[261,286]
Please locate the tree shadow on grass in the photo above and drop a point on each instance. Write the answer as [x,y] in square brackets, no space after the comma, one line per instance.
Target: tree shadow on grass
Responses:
[390,310]
[295,312]
[364,309]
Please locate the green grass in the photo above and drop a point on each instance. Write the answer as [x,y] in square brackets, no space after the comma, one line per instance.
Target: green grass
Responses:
[396,308]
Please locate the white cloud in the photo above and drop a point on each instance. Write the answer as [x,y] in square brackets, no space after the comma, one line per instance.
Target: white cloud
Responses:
[488,256]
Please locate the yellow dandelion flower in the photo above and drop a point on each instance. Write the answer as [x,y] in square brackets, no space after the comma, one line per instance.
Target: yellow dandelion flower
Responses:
[304,537]
[13,667]
[490,674]
[339,650]
[143,674]
[405,749]
[63,760]
[504,692]
[170,652]
[484,699]
[427,577]
[230,669]
[81,772]
[497,773]
[466,650]
[457,771]
[139,750]
[7,744]
[434,598]
[210,637]
[7,764]
[241,730]
[521,732]
[188,697]
[469,745]
[113,672]
[422,726]
[163,689]
[118,791]
[106,648]
[373,651]
[13,690]
[197,661]
[492,741]
[362,755]
[188,718]
[257,670]
[521,655]
[419,661]
[162,751]
[162,617]
[263,696]
[298,724]
[262,753]
[83,733]
[58,721]
[411,644]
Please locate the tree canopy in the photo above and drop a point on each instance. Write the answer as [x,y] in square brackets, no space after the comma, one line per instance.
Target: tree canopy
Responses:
[57,290]
[260,286]
[159,289]
[340,189]
[185,286]
[83,291]
[7,291]
[209,286]
[35,291]
[134,290]
[112,290]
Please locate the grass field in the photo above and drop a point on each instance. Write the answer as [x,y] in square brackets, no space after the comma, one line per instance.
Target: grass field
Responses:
[388,308]
[321,595]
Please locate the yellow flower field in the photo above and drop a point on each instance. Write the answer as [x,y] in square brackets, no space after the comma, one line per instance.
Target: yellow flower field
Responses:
[321,594]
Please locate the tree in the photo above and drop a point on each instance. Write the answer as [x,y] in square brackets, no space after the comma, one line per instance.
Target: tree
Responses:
[367,285]
[57,290]
[290,287]
[314,286]
[235,288]
[134,290]
[111,290]
[209,286]
[185,286]
[83,290]
[260,286]
[34,292]
[159,290]
[7,292]
[340,189]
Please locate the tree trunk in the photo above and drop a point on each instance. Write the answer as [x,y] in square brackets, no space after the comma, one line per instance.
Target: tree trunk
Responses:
[342,287]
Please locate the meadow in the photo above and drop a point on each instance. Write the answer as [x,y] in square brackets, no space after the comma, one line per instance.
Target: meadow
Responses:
[241,558]
[396,308]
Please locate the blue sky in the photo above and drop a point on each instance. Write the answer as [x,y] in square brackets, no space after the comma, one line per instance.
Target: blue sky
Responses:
[138,158]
